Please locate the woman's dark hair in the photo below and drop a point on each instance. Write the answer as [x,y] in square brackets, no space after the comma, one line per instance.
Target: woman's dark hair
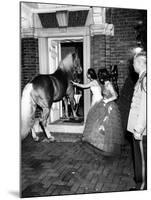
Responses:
[92,73]
[103,74]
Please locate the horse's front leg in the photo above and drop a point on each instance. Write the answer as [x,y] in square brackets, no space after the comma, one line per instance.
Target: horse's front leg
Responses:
[33,131]
[34,135]
[73,103]
[70,94]
[43,124]
[66,107]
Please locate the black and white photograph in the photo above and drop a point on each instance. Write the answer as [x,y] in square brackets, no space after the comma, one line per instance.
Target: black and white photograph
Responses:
[83,99]
[76,122]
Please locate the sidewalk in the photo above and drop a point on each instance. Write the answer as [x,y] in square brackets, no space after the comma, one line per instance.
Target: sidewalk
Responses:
[69,166]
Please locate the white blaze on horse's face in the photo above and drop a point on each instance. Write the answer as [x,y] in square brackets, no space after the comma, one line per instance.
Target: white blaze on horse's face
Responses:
[68,62]
[72,63]
[77,66]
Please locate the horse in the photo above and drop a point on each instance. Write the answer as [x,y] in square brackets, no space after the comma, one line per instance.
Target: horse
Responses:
[43,90]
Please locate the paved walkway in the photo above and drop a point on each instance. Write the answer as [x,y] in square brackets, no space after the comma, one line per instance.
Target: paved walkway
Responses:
[69,166]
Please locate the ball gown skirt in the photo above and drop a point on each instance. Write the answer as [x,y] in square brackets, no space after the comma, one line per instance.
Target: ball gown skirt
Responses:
[103,128]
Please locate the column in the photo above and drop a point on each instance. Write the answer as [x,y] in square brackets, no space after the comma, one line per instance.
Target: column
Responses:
[43,55]
[86,53]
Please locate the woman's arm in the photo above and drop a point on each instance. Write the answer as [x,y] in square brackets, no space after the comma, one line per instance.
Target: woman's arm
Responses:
[84,86]
[113,92]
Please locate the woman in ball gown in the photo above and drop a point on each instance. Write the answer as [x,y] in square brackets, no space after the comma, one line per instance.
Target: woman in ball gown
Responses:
[93,85]
[103,127]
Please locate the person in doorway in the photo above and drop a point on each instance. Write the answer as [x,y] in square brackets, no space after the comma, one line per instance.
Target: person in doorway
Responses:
[137,123]
[103,126]
[93,85]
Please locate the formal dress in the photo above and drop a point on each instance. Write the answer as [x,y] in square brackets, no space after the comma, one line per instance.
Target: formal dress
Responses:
[96,92]
[103,125]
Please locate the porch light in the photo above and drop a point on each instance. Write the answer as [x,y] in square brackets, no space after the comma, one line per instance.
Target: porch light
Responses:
[62,18]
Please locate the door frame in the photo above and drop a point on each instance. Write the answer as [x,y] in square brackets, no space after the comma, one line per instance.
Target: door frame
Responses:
[82,33]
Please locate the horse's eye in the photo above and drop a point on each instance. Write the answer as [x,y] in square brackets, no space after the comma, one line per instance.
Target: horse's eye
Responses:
[74,56]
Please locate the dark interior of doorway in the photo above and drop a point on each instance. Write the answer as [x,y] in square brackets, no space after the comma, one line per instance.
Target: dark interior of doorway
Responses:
[67,47]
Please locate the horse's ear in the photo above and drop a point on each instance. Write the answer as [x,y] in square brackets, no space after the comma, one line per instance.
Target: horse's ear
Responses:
[74,55]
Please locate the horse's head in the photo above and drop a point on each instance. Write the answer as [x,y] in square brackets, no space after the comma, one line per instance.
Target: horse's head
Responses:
[76,64]
[71,64]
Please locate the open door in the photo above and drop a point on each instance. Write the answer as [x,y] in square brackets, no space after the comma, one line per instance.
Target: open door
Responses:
[53,61]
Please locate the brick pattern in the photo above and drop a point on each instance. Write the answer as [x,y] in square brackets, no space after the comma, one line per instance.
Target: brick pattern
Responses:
[116,50]
[29,59]
[29,62]
[64,168]
[124,40]
[98,53]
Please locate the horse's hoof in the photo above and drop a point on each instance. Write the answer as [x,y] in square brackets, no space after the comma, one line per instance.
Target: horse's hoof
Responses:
[36,139]
[47,140]
[52,139]
[66,117]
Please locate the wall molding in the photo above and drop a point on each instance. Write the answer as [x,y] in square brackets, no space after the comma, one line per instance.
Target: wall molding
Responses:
[102,29]
[95,23]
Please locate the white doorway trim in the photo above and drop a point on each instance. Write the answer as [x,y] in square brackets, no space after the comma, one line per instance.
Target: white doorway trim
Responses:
[82,34]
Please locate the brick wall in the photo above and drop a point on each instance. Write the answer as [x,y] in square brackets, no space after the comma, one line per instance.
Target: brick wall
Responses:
[116,50]
[29,59]
[98,53]
[29,63]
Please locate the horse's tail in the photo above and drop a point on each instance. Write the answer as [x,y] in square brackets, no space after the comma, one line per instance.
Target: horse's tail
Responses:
[28,107]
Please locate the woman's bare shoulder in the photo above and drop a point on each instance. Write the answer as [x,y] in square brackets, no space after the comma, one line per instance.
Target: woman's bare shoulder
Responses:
[93,83]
